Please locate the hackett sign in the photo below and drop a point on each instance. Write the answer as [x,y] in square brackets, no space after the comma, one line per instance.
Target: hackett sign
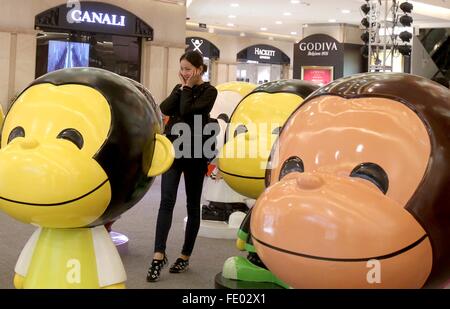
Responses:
[264,53]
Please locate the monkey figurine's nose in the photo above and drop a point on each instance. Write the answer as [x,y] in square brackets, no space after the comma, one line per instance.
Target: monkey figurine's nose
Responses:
[309,181]
[29,143]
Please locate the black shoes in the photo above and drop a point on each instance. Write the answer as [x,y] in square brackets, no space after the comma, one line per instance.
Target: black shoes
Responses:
[179,266]
[154,271]
[218,211]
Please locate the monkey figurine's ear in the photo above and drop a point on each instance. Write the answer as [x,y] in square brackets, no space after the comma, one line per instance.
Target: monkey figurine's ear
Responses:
[162,157]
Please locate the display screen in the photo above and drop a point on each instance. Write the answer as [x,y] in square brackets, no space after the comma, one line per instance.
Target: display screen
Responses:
[63,54]
[318,75]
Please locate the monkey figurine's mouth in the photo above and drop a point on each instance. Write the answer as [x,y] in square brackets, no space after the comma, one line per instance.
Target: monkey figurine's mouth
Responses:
[362,259]
[57,203]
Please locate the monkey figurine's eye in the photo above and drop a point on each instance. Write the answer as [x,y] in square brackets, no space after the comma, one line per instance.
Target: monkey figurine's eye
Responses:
[240,129]
[73,136]
[293,164]
[276,131]
[224,117]
[16,132]
[373,173]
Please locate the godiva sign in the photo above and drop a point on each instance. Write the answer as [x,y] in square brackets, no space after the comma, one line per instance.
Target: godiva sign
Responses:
[321,52]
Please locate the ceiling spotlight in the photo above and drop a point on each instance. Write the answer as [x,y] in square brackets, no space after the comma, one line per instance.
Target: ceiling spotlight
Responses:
[365,22]
[332,20]
[293,33]
[405,36]
[405,50]
[365,8]
[279,22]
[406,20]
[365,37]
[406,7]
[345,11]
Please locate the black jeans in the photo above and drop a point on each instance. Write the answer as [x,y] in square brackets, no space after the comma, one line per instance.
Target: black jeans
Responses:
[194,172]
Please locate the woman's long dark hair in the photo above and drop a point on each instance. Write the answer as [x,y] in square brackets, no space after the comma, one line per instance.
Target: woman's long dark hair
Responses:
[196,59]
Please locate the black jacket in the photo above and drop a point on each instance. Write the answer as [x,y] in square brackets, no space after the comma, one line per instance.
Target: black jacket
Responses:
[183,105]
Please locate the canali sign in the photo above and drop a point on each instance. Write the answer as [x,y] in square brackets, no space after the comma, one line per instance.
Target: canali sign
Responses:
[92,17]
[79,16]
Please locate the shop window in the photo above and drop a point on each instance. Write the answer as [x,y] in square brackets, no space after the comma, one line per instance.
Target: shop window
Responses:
[118,54]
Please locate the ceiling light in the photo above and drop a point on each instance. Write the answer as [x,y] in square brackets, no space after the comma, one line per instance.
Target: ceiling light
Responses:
[263,29]
[230,25]
[287,13]
[279,22]
[332,20]
[293,33]
[271,38]
[435,11]
[295,1]
[234,5]
[242,34]
[231,16]
[345,11]
[305,25]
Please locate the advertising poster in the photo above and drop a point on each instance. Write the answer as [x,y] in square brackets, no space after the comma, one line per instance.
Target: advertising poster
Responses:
[317,74]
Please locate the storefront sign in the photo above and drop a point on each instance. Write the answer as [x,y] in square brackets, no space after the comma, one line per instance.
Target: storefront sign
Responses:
[93,17]
[203,46]
[263,54]
[319,50]
[97,18]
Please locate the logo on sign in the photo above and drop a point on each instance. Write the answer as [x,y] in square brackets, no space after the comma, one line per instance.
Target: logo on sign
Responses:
[318,48]
[264,53]
[197,43]
[79,16]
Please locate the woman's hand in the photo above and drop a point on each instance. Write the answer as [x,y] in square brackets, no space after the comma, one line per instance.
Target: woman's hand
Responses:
[182,80]
[194,79]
